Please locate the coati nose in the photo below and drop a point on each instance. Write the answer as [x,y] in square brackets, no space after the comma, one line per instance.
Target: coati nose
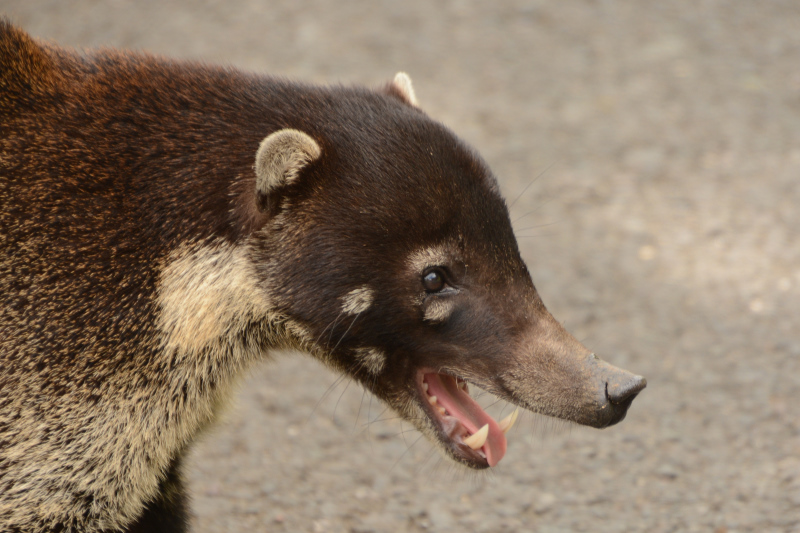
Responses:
[625,392]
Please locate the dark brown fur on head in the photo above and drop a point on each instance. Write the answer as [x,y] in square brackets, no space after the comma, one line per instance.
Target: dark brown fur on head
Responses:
[163,225]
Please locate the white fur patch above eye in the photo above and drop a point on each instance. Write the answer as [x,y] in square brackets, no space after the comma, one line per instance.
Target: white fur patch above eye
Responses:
[427,257]
[372,359]
[357,301]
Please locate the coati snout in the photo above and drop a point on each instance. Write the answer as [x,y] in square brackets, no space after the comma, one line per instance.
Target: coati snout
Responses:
[165,225]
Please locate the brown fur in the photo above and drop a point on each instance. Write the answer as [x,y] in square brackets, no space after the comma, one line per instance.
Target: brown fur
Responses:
[150,252]
[160,343]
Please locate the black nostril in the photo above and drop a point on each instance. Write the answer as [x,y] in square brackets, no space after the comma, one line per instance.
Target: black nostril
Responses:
[618,393]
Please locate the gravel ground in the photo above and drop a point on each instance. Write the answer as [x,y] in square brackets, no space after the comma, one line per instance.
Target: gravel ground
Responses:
[654,148]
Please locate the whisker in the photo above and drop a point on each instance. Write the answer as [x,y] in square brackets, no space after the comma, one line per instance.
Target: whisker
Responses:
[346,332]
[333,327]
[358,413]
[422,464]
[369,426]
[532,211]
[408,449]
[404,431]
[548,167]
[340,397]
[495,402]
[332,322]
[537,226]
[478,395]
[390,418]
[378,419]
[537,236]
[403,434]
[330,389]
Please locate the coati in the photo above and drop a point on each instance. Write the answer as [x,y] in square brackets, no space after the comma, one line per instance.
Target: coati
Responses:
[164,225]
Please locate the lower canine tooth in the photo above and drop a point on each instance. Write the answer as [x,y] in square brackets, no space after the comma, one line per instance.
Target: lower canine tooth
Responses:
[432,399]
[506,423]
[478,439]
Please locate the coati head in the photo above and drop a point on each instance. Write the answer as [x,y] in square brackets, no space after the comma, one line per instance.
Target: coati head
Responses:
[386,239]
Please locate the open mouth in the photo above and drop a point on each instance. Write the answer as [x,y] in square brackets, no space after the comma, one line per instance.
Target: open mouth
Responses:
[472,435]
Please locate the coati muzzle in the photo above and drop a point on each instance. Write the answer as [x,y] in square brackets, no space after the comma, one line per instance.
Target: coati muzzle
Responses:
[474,438]
[556,376]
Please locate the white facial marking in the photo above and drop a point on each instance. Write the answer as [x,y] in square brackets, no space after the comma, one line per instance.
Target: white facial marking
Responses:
[427,257]
[372,359]
[439,311]
[423,258]
[357,301]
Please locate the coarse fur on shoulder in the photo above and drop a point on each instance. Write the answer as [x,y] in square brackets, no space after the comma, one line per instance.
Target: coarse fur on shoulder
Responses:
[128,202]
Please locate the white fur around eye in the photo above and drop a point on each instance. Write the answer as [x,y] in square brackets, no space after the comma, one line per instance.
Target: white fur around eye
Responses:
[428,257]
[439,310]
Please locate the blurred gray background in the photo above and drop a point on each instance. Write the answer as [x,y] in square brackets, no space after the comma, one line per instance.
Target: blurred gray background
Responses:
[654,148]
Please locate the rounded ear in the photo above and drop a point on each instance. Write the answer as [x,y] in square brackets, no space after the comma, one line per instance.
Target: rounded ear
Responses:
[402,83]
[280,158]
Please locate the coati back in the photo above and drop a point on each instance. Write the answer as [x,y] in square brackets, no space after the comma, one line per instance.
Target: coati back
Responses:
[165,224]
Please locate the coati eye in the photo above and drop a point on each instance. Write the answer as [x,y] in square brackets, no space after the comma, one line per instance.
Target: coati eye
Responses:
[433,281]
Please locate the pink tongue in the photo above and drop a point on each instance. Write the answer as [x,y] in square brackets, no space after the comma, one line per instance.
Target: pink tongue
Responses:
[460,405]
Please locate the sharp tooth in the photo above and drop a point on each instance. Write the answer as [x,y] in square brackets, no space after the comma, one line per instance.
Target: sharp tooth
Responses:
[442,410]
[462,385]
[432,399]
[506,423]
[425,386]
[478,439]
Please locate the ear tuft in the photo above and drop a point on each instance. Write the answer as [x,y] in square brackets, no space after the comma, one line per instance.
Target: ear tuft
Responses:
[280,158]
[402,82]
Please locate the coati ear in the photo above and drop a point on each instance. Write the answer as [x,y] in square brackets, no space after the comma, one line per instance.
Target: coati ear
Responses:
[279,159]
[402,85]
